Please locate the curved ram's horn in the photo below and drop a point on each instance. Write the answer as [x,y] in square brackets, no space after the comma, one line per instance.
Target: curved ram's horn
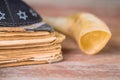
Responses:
[91,33]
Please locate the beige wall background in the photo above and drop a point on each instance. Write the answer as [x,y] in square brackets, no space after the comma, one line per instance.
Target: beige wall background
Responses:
[109,3]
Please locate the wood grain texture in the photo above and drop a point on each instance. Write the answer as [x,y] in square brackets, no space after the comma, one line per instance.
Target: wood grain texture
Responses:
[76,65]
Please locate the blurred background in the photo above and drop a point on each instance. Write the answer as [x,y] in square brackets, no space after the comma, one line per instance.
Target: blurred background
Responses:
[75,2]
[102,7]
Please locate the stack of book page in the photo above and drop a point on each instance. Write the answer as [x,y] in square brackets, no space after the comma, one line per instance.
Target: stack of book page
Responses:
[23,48]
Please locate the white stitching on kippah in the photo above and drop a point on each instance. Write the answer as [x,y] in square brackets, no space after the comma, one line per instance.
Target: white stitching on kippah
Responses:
[22,15]
[2,15]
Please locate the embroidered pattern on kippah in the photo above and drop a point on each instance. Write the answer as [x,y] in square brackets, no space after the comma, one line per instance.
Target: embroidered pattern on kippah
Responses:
[22,15]
[33,13]
[2,15]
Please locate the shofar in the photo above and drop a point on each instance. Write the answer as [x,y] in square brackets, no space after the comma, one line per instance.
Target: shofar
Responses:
[90,33]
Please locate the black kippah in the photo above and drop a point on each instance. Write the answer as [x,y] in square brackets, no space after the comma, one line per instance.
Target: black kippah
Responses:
[17,13]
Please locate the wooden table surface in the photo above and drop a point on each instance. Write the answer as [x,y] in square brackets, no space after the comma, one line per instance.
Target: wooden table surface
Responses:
[76,65]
